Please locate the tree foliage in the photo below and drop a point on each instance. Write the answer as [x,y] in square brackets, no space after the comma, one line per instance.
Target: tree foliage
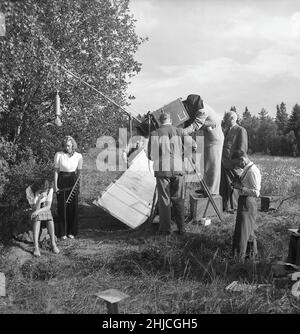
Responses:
[94,39]
[275,136]
[281,118]
[251,124]
[294,123]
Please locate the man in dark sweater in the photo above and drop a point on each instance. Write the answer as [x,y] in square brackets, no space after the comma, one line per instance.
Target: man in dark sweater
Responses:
[235,139]
[166,148]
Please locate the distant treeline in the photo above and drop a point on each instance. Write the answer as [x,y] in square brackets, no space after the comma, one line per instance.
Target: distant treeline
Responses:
[274,136]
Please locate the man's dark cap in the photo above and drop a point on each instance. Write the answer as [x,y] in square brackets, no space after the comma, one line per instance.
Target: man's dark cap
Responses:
[193,102]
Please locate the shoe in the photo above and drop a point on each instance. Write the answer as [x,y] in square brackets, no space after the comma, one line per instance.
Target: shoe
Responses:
[230,211]
[36,253]
[55,249]
[71,236]
[64,237]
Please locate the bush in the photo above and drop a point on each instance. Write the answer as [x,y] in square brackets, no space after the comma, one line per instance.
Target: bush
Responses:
[20,169]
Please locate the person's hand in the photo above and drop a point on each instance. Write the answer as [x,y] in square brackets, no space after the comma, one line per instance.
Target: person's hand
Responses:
[34,214]
[237,185]
[124,157]
[213,125]
[209,125]
[42,196]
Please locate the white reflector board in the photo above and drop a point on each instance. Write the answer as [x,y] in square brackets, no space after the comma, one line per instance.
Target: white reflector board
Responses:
[130,197]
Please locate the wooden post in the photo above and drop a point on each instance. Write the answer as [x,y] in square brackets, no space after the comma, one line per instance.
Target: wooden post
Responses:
[2,25]
[112,308]
[2,285]
[112,297]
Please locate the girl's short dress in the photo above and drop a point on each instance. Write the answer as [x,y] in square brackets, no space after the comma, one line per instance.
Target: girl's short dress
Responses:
[43,216]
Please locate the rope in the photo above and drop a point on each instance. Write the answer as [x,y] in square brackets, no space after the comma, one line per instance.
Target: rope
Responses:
[48,43]
[98,91]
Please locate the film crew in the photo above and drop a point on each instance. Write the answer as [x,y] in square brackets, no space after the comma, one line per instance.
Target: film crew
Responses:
[248,186]
[68,165]
[205,118]
[39,196]
[235,139]
[166,148]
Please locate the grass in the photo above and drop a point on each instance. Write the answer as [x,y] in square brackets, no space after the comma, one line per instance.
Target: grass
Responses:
[161,275]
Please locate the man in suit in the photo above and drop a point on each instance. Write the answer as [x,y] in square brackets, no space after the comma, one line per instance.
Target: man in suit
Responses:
[166,148]
[236,139]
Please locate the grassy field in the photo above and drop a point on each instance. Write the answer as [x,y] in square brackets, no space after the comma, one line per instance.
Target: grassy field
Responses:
[161,275]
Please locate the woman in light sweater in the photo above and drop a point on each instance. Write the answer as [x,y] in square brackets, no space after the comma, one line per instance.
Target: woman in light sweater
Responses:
[68,165]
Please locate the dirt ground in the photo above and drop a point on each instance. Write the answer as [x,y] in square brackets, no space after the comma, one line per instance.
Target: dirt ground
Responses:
[161,275]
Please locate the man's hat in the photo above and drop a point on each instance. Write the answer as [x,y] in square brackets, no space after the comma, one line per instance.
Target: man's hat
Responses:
[193,102]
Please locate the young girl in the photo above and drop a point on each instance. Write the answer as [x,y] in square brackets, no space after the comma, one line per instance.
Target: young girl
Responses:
[39,196]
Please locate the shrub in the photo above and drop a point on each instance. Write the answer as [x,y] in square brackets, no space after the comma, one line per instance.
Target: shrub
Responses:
[20,169]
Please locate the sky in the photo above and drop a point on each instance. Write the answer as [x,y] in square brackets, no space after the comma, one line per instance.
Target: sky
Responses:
[231,53]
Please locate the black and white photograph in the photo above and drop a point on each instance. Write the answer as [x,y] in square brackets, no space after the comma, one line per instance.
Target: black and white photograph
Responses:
[149,160]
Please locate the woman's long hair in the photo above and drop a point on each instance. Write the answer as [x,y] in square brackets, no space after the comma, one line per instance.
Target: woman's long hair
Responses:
[72,140]
[40,184]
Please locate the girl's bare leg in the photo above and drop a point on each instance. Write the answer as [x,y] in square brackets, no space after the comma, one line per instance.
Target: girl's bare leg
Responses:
[50,226]
[36,232]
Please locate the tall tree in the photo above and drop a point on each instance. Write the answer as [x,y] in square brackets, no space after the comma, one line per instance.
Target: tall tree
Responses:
[95,39]
[263,114]
[251,124]
[266,131]
[294,123]
[246,117]
[281,118]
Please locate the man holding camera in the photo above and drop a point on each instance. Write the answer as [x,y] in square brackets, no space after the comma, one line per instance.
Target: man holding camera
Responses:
[248,186]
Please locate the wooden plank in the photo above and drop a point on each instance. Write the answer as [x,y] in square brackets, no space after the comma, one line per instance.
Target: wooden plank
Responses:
[127,190]
[2,285]
[112,295]
[2,25]
[123,197]
[141,185]
[129,198]
[123,207]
